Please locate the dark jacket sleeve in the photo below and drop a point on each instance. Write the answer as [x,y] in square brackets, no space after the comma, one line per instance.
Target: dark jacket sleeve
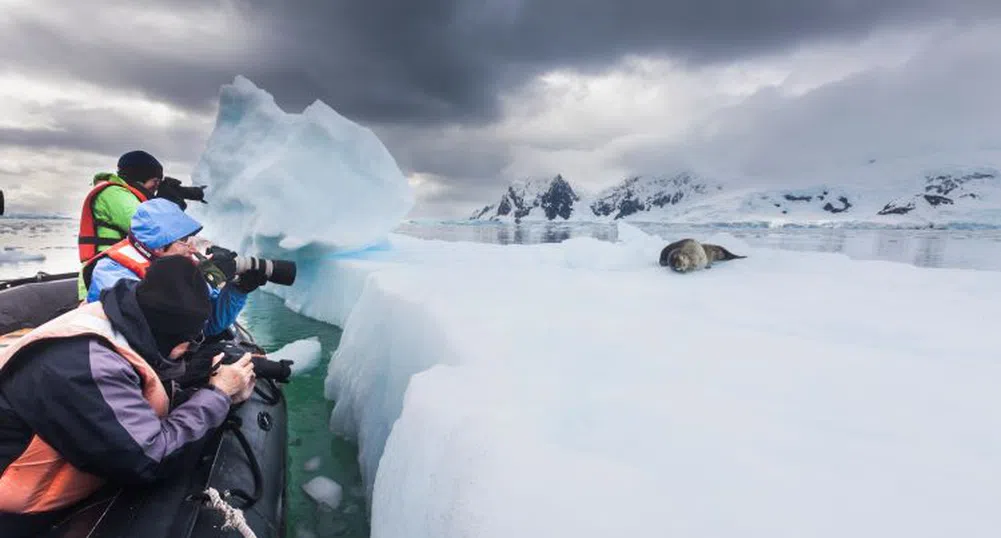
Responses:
[86,401]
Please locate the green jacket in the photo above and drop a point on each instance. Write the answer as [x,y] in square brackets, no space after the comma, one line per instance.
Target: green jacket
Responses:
[113,210]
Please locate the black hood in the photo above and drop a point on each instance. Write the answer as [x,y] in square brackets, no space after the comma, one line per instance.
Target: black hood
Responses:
[122,308]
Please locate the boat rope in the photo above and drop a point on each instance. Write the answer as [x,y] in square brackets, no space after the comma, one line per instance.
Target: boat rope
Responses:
[234,516]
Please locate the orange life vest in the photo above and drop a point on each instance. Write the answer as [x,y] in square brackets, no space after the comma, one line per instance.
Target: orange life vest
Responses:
[87,238]
[40,479]
[129,252]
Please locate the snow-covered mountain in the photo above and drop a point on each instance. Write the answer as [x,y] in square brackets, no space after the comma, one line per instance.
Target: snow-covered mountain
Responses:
[892,194]
[533,199]
[949,189]
[641,194]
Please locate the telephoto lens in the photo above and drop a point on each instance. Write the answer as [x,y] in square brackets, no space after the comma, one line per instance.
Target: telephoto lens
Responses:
[278,271]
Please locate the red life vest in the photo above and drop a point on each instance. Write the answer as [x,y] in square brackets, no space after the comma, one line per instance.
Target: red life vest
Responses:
[87,238]
[41,479]
[129,252]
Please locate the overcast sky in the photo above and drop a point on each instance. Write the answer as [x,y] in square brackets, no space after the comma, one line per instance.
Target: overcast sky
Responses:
[471,94]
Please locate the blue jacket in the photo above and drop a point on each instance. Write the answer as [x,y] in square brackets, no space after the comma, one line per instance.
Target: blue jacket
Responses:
[156,224]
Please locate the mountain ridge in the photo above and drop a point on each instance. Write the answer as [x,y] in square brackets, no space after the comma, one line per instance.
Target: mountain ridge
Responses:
[926,195]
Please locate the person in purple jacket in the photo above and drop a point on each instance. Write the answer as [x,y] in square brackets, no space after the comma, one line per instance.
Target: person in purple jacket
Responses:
[85,399]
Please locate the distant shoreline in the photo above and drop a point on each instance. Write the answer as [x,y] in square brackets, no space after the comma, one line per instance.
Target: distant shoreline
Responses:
[754,224]
[957,225]
[36,216]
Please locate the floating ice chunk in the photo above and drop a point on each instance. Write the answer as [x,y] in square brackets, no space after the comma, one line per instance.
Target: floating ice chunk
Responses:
[325,491]
[303,532]
[312,464]
[304,354]
[13,255]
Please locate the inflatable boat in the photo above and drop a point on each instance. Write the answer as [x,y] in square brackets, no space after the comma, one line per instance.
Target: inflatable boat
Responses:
[235,484]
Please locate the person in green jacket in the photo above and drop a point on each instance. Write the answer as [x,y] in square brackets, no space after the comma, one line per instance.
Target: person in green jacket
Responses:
[108,208]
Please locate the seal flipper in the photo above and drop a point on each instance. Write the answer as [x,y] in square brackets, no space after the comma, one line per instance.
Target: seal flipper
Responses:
[718,253]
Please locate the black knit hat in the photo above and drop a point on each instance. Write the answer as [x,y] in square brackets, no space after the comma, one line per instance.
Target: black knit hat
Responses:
[174,298]
[138,166]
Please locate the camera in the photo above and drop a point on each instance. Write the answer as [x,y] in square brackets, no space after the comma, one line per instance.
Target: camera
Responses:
[277,271]
[171,189]
[220,265]
[199,365]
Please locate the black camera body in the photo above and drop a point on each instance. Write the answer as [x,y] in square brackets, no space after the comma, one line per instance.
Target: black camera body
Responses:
[199,367]
[171,189]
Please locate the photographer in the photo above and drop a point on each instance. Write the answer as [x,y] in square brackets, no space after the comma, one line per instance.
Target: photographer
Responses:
[161,228]
[83,402]
[112,201]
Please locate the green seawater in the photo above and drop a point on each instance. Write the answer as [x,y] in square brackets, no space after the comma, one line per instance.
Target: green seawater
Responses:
[273,325]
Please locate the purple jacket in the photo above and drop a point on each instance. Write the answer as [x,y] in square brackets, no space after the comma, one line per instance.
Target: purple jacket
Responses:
[86,401]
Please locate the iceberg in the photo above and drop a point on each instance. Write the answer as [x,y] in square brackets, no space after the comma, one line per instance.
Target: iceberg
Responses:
[285,180]
[580,389]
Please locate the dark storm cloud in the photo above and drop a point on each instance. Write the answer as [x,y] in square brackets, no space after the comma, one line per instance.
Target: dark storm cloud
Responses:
[440,61]
[411,69]
[189,81]
[436,61]
[106,131]
[475,157]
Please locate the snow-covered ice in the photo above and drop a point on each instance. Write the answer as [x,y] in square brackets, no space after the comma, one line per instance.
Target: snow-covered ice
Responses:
[312,177]
[324,491]
[579,389]
[304,354]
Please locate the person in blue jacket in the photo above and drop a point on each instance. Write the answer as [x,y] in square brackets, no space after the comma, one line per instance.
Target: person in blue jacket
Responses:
[160,228]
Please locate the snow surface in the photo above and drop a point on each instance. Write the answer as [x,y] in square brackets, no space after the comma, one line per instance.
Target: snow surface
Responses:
[579,389]
[304,354]
[295,179]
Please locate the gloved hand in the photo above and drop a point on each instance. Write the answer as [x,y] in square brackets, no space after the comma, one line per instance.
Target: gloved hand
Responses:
[171,189]
[219,266]
[249,281]
[224,259]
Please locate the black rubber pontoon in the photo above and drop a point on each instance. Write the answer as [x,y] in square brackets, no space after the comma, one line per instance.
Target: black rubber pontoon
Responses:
[244,460]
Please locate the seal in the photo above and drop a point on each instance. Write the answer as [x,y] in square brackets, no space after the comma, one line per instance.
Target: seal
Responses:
[689,255]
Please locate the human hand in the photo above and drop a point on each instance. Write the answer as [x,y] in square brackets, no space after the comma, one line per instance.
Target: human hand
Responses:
[249,281]
[236,380]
